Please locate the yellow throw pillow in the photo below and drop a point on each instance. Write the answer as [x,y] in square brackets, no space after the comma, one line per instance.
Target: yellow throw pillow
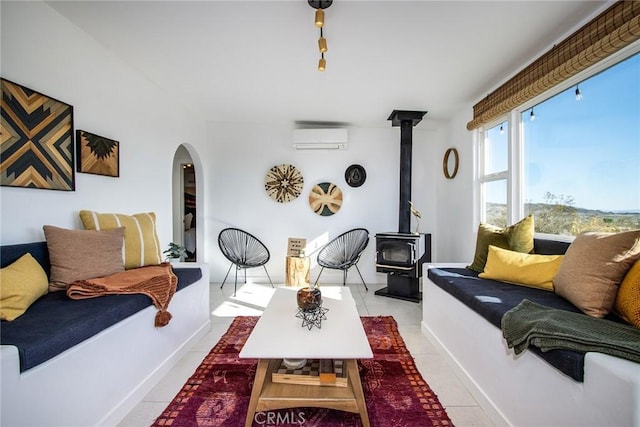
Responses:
[517,237]
[21,284]
[593,267]
[141,244]
[536,271]
[627,303]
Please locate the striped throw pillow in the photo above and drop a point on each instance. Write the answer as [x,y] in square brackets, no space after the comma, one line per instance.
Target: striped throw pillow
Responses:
[141,244]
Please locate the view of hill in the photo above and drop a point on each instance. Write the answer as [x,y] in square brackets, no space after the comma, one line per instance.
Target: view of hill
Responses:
[567,220]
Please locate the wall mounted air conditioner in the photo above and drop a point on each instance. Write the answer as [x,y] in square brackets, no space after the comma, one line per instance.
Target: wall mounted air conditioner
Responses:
[320,139]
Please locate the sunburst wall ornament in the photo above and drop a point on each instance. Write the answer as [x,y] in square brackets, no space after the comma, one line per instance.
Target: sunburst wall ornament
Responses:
[283,183]
[325,199]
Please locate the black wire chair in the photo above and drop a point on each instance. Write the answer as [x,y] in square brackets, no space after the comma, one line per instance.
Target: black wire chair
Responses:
[244,251]
[344,252]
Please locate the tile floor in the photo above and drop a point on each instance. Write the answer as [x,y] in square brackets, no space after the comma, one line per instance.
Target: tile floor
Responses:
[251,298]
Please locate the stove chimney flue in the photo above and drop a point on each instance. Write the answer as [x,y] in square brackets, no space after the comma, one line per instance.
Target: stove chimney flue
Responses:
[406,120]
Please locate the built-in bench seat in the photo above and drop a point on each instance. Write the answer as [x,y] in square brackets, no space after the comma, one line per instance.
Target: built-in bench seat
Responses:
[88,362]
[491,299]
[462,315]
[55,323]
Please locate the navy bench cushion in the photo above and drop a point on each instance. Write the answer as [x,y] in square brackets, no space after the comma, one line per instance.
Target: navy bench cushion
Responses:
[492,299]
[55,323]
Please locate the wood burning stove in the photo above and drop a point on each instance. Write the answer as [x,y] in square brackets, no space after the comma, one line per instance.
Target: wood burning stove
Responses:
[401,255]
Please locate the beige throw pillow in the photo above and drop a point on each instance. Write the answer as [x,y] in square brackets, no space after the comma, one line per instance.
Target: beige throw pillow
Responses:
[82,254]
[593,267]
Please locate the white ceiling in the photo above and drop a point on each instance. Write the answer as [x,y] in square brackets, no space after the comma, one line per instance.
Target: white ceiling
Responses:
[255,61]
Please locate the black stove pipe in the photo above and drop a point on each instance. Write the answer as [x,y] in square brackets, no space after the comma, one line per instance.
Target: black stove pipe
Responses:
[406,151]
[406,120]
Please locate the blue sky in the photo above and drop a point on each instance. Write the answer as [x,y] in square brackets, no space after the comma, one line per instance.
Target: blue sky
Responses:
[589,149]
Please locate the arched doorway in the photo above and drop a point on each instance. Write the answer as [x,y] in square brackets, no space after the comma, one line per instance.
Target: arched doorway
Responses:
[186,212]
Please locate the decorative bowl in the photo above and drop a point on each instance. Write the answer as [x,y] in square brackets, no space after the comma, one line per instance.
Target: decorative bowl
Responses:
[309,299]
[294,363]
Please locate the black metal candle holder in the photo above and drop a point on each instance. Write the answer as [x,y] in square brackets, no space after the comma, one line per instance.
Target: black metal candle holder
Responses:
[314,317]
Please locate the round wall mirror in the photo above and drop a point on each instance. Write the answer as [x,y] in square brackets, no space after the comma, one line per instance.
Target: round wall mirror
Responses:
[450,163]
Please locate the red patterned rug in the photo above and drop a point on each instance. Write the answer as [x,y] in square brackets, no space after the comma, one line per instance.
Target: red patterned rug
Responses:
[217,394]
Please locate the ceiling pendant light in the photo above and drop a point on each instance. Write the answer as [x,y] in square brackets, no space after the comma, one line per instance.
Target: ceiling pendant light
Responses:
[320,18]
[578,93]
[532,115]
[322,63]
[320,5]
[322,43]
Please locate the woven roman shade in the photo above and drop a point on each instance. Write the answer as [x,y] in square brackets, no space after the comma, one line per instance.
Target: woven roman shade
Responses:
[612,30]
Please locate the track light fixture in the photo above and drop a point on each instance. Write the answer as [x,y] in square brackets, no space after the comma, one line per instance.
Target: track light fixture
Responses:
[320,5]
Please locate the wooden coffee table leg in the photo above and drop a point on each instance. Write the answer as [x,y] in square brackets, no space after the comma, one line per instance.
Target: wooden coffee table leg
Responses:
[258,382]
[354,378]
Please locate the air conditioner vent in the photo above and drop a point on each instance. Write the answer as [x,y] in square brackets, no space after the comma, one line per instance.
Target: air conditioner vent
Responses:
[320,139]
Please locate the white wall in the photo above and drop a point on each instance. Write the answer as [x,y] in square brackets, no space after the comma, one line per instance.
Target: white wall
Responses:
[457,219]
[44,52]
[242,154]
[113,100]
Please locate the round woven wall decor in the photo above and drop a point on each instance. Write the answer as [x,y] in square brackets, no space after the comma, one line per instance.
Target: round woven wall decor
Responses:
[283,183]
[325,199]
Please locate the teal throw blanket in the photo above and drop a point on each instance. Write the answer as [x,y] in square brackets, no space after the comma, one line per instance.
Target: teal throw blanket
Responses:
[549,328]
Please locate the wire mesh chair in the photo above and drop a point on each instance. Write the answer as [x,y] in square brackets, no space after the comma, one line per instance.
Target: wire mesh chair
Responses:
[344,252]
[244,251]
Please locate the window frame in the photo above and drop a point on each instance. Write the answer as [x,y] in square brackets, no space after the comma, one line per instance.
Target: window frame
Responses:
[515,145]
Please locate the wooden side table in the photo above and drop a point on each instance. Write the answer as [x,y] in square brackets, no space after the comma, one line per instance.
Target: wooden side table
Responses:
[297,271]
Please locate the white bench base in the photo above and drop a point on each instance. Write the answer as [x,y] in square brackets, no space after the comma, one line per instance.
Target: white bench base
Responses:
[525,390]
[99,381]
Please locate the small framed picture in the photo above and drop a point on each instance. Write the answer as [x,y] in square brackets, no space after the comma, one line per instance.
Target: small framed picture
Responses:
[97,155]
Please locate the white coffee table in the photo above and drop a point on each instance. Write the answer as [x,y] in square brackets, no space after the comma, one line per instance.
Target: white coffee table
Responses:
[279,334]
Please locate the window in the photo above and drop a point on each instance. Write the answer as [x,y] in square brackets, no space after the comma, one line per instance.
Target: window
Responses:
[580,158]
[494,175]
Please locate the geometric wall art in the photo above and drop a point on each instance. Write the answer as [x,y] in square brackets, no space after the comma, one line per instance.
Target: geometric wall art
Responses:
[36,140]
[97,154]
